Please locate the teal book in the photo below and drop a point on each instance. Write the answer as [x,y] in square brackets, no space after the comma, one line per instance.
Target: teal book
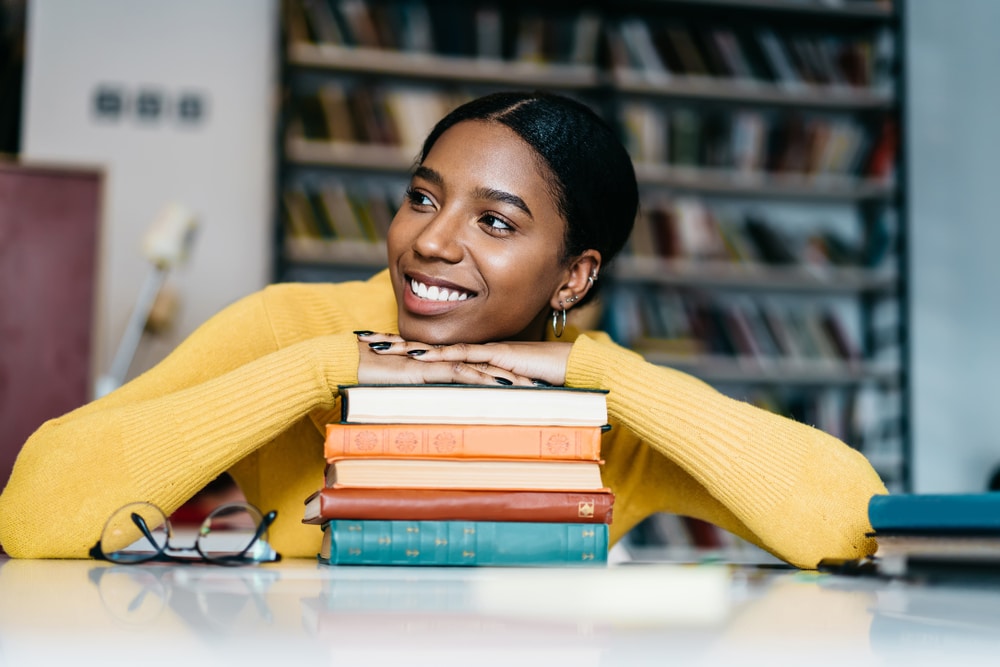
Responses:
[463,543]
[956,513]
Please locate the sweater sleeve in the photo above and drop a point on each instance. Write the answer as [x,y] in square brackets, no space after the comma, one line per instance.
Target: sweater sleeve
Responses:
[684,447]
[223,393]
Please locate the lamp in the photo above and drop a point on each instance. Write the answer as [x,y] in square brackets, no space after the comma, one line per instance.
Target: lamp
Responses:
[166,245]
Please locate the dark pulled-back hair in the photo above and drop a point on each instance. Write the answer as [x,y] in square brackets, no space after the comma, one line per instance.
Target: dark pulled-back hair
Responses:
[591,174]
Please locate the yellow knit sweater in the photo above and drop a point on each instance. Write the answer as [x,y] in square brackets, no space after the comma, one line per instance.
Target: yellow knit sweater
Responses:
[251,390]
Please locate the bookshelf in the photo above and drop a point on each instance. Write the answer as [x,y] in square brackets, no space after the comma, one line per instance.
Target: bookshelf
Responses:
[769,257]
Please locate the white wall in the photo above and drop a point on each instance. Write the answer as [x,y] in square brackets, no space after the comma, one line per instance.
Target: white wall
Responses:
[220,167]
[954,142]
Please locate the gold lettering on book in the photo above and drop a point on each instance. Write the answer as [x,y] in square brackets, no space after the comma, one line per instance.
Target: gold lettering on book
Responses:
[585,508]
[412,529]
[354,552]
[468,554]
[587,533]
[354,527]
[385,540]
[588,557]
[412,553]
[440,542]
[469,531]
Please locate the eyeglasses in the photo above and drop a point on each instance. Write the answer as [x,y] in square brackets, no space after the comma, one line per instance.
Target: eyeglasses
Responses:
[233,534]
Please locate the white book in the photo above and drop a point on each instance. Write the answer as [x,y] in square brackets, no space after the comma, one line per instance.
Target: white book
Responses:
[472,404]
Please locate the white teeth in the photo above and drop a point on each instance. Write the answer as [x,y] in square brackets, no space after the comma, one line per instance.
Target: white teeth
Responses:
[435,293]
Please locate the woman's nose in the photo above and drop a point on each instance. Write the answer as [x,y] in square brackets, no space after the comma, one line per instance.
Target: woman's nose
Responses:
[441,237]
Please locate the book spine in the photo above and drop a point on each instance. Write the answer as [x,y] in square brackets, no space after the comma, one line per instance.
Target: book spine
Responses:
[449,505]
[463,543]
[470,441]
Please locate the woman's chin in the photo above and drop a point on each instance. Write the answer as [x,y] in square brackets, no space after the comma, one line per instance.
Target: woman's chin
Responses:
[425,332]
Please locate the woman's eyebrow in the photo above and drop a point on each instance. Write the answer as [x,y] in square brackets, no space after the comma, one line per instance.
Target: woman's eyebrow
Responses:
[491,194]
[429,175]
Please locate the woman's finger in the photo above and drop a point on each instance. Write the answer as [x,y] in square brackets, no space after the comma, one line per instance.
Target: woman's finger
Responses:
[374,336]
[395,345]
[462,373]
[545,362]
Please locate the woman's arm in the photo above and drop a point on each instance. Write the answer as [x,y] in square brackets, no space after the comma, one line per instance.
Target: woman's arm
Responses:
[793,489]
[222,394]
[678,445]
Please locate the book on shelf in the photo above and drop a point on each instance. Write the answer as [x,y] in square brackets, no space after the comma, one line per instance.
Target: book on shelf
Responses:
[340,121]
[503,441]
[359,21]
[323,24]
[631,49]
[340,214]
[459,505]
[473,404]
[308,118]
[551,475]
[685,52]
[727,45]
[463,543]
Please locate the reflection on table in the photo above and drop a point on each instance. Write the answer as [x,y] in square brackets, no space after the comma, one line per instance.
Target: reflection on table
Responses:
[300,612]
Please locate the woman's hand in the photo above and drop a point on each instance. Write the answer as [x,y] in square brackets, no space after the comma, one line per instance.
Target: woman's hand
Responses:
[387,358]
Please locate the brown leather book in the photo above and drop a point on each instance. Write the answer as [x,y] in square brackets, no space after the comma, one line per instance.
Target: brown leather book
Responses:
[458,505]
[467,441]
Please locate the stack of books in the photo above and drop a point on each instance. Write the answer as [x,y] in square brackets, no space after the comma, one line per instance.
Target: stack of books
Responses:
[464,475]
[947,536]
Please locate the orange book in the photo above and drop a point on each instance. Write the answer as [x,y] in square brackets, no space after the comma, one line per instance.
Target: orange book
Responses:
[492,441]
[439,473]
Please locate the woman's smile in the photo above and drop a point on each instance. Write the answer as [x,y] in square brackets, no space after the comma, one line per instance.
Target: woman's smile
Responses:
[429,296]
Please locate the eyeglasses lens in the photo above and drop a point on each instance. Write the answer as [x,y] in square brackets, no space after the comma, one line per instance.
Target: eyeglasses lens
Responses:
[229,532]
[135,533]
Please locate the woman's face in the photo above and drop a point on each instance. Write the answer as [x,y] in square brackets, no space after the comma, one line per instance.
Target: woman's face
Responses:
[475,250]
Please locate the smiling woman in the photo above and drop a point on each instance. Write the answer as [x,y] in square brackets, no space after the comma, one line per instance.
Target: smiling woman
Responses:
[518,202]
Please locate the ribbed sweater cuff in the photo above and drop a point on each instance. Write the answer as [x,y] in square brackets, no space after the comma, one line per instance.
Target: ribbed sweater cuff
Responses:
[746,457]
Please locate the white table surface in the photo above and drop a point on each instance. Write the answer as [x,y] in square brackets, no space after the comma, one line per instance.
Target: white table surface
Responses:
[298,612]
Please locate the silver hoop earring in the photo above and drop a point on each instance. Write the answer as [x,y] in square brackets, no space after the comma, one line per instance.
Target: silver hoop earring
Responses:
[558,326]
[592,278]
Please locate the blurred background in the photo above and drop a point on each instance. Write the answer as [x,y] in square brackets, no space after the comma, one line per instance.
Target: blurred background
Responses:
[818,231]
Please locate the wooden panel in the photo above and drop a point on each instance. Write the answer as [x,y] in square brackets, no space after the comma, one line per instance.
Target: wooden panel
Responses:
[49,230]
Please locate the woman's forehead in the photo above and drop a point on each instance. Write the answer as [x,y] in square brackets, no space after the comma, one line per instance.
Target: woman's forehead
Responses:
[495,154]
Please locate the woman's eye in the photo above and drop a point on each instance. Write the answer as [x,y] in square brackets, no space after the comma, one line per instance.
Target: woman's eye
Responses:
[417,198]
[496,224]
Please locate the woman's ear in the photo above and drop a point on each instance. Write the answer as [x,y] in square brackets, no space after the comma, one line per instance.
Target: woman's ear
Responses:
[581,275]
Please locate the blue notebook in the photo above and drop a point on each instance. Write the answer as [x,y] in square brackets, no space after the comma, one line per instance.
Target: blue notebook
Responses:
[958,513]
[463,543]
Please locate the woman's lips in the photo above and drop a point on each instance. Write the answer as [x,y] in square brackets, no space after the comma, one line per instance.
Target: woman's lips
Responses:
[427,297]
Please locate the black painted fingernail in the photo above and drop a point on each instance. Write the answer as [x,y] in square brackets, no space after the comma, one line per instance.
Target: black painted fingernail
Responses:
[416,353]
[540,383]
[363,332]
[381,345]
[501,380]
